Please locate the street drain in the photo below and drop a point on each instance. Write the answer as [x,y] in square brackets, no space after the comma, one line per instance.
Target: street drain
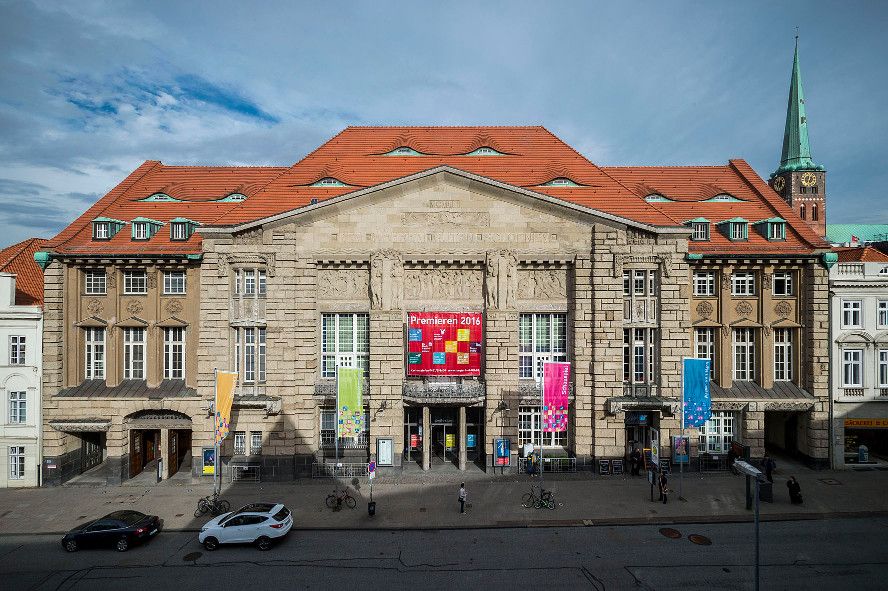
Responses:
[700,540]
[192,556]
[673,534]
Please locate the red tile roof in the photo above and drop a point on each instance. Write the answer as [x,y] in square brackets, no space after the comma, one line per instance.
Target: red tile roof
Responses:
[858,254]
[19,260]
[531,157]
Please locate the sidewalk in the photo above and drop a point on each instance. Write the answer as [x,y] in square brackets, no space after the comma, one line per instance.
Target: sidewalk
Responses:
[430,504]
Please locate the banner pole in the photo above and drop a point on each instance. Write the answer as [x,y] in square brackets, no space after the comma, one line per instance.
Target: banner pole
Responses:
[542,426]
[215,428]
[681,471]
[336,424]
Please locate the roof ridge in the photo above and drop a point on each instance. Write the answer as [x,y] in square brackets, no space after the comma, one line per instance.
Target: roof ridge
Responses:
[445,127]
[668,165]
[284,171]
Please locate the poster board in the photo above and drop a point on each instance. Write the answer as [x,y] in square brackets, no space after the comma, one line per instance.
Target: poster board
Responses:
[444,343]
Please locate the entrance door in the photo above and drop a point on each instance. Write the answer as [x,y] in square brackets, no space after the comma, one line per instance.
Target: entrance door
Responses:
[135,452]
[91,450]
[149,446]
[173,451]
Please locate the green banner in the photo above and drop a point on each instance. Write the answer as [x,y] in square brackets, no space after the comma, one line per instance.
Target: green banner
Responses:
[349,401]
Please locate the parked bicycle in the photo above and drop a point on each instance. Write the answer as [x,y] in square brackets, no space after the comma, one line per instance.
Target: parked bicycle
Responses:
[213,505]
[337,499]
[546,498]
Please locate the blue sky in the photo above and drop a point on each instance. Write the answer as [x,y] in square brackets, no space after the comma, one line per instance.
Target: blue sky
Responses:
[89,90]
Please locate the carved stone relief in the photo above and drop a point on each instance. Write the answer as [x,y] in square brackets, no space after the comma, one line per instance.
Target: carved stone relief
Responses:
[442,284]
[501,280]
[542,284]
[174,306]
[342,284]
[134,306]
[766,280]
[461,219]
[783,309]
[152,280]
[112,280]
[249,238]
[744,308]
[704,309]
[726,280]
[664,263]
[265,261]
[94,307]
[386,280]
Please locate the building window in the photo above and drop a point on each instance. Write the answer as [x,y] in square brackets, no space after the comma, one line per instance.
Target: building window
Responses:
[18,408]
[851,314]
[240,443]
[249,282]
[883,313]
[743,284]
[135,282]
[704,283]
[883,368]
[640,296]
[802,211]
[704,347]
[134,353]
[255,443]
[530,431]
[16,462]
[814,215]
[140,231]
[782,284]
[743,341]
[345,342]
[328,432]
[541,338]
[249,354]
[776,231]
[174,282]
[95,282]
[95,354]
[718,432]
[179,231]
[783,354]
[852,368]
[639,355]
[700,231]
[174,353]
[739,231]
[101,231]
[16,350]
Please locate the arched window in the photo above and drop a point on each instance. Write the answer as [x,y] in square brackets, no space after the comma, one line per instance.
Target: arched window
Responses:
[802,211]
[814,212]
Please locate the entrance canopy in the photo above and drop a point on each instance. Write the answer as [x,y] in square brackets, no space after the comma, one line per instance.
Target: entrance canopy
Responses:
[157,419]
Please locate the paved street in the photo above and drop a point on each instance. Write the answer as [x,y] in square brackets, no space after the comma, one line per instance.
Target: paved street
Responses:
[825,554]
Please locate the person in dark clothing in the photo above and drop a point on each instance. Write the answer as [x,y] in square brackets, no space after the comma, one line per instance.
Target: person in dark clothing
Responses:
[795,491]
[462,498]
[662,483]
[768,465]
[635,460]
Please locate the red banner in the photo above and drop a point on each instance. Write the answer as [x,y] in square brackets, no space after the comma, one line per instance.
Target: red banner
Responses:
[556,386]
[444,344]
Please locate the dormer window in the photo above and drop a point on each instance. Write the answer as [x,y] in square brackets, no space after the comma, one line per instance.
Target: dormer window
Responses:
[561,182]
[883,271]
[485,151]
[738,231]
[657,198]
[772,228]
[106,228]
[233,198]
[735,228]
[160,197]
[403,151]
[144,228]
[182,229]
[724,198]
[329,181]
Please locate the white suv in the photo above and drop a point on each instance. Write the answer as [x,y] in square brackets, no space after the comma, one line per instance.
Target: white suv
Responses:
[258,523]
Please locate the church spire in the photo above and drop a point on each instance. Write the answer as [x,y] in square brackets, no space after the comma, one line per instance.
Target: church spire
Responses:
[796,148]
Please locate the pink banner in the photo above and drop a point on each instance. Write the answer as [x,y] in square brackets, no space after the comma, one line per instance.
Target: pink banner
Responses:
[556,386]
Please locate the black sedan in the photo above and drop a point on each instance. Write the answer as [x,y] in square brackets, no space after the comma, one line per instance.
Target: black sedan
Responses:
[120,529]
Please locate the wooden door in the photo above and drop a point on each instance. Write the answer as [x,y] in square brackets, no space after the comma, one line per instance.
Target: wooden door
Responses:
[149,446]
[173,454]
[135,452]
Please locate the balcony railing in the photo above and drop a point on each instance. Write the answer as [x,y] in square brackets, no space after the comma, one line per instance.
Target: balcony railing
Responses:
[850,270]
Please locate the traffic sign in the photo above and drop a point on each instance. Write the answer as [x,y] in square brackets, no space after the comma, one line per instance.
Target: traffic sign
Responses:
[372,467]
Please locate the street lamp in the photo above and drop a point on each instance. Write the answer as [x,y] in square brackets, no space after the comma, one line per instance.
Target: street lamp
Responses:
[752,472]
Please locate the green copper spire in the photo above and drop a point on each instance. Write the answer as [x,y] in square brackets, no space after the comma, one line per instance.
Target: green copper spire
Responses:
[796,149]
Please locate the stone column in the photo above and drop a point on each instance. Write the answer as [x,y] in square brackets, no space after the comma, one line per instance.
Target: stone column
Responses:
[724,350]
[754,429]
[426,438]
[461,444]
[165,453]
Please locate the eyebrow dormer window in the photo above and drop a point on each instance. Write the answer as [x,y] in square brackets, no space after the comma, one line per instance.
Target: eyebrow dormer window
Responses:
[329,181]
[485,151]
[403,151]
[233,198]
[657,198]
[724,198]
[561,182]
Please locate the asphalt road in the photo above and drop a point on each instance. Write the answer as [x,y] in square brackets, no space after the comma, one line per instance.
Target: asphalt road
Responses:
[822,554]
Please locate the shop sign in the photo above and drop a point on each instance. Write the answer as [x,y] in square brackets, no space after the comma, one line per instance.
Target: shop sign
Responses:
[444,343]
[502,451]
[866,423]
[470,440]
[637,419]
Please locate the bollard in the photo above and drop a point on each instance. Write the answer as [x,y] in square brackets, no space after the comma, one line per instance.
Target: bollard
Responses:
[371,508]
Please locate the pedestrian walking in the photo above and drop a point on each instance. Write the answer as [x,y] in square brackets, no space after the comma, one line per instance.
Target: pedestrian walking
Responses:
[795,491]
[663,482]
[769,465]
[635,460]
[462,498]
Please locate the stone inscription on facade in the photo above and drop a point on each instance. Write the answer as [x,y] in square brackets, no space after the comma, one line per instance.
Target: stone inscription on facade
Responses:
[342,284]
[462,219]
[442,284]
[542,284]
[446,237]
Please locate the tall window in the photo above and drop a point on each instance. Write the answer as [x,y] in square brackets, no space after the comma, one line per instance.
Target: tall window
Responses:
[94,281]
[851,314]
[704,283]
[704,345]
[738,231]
[101,231]
[640,296]
[134,353]
[783,354]
[883,313]
[95,354]
[782,284]
[240,443]
[776,231]
[255,443]
[852,368]
[701,231]
[802,211]
[249,354]
[174,282]
[814,214]
[16,350]
[16,462]
[179,231]
[638,355]
[18,408]
[541,338]
[743,284]
[743,341]
[716,434]
[140,231]
[530,429]
[135,282]
[249,282]
[174,353]
[345,342]
[883,368]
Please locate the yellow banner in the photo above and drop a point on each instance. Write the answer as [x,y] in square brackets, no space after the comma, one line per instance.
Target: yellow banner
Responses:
[225,382]
[867,423]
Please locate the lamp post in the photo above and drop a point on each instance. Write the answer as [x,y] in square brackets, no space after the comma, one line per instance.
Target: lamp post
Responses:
[752,472]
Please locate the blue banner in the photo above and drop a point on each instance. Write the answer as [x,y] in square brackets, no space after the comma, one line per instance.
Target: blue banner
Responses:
[695,392]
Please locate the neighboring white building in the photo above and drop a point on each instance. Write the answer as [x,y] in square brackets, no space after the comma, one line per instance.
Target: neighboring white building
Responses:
[859,373]
[21,365]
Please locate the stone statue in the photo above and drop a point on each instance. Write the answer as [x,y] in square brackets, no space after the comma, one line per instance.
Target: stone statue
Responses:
[501,282]
[376,272]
